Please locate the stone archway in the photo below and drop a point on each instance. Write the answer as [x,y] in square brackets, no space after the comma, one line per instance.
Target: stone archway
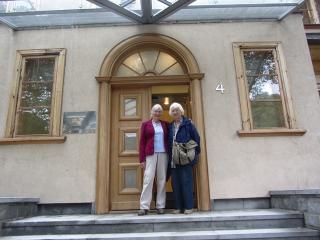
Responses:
[193,76]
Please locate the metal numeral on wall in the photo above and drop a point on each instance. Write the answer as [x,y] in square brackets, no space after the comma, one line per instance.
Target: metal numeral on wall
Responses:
[220,88]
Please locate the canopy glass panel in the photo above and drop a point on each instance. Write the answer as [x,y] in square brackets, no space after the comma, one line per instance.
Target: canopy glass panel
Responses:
[24,14]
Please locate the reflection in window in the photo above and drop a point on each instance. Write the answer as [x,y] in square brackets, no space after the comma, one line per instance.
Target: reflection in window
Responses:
[149,63]
[263,89]
[34,107]
[34,121]
[130,141]
[130,178]
[130,107]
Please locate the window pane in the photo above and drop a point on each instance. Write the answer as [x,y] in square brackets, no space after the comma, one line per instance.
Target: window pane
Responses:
[130,107]
[264,89]
[34,121]
[259,62]
[124,71]
[36,94]
[130,141]
[267,114]
[164,62]
[130,178]
[149,59]
[39,69]
[43,5]
[134,62]
[176,69]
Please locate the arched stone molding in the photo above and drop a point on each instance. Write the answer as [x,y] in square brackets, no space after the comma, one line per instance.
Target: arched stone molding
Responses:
[193,76]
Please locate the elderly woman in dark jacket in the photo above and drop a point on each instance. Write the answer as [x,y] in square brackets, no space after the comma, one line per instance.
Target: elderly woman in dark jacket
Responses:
[182,130]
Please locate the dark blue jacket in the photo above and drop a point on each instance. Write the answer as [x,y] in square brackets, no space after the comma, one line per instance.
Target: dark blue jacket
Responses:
[186,132]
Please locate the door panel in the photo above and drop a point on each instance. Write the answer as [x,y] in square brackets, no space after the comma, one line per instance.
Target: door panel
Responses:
[129,108]
[129,141]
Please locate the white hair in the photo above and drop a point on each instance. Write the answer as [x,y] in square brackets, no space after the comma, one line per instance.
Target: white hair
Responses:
[176,106]
[156,107]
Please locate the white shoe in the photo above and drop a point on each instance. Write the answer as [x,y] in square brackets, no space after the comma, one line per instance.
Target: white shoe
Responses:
[188,211]
[176,211]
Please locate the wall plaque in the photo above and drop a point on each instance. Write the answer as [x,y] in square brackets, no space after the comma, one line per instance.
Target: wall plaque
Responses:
[79,122]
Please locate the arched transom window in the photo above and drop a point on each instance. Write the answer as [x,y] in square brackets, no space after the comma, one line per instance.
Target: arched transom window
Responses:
[149,63]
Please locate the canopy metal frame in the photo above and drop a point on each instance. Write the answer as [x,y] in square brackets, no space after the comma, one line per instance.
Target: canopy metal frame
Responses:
[147,15]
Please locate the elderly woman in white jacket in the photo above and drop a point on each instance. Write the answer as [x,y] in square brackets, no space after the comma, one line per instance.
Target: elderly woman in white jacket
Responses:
[153,154]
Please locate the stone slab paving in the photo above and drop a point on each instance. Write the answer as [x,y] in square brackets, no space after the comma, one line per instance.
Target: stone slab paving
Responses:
[281,233]
[296,192]
[154,218]
[18,200]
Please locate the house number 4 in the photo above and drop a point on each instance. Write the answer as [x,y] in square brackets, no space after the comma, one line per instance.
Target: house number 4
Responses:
[220,88]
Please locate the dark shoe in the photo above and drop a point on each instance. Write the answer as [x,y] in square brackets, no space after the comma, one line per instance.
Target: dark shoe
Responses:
[142,212]
[160,211]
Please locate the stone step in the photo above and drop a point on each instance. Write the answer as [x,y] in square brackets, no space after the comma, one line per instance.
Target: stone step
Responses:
[275,233]
[131,223]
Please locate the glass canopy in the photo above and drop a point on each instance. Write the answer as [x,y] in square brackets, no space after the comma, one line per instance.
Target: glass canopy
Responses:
[30,14]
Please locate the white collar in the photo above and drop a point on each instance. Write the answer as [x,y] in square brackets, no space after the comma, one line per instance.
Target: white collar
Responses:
[157,123]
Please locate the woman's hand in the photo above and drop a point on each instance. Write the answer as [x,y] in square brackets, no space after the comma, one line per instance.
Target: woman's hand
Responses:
[143,165]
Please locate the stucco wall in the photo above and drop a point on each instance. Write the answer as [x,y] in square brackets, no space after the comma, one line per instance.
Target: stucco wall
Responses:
[6,41]
[238,167]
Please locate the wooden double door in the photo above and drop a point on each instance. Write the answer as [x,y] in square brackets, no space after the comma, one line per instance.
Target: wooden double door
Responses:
[130,106]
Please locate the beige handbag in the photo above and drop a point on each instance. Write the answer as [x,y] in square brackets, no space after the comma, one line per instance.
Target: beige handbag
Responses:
[183,153]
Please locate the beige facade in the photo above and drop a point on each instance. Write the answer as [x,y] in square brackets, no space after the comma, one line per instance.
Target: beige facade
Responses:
[238,167]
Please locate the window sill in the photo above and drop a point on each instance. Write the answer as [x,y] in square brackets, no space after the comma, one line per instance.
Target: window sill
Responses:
[271,132]
[32,140]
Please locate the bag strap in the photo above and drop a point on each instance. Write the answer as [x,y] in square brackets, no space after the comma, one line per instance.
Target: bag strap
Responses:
[175,131]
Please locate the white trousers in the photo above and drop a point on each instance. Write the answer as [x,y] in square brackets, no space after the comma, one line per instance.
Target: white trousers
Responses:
[155,164]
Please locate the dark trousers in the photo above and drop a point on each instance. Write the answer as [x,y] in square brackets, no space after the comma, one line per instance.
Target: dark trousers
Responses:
[182,184]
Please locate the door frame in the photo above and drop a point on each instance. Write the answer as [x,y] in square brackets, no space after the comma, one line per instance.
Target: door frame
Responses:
[106,80]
